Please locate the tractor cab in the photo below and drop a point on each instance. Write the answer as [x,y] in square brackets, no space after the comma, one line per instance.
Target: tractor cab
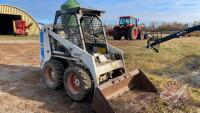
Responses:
[128,21]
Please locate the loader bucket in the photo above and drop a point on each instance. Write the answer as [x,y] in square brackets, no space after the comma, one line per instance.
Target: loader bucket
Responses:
[135,80]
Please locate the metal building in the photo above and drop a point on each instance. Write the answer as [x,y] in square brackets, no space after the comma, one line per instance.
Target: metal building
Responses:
[9,13]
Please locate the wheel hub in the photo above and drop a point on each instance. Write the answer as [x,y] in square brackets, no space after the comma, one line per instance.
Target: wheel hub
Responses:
[50,74]
[77,82]
[53,76]
[73,83]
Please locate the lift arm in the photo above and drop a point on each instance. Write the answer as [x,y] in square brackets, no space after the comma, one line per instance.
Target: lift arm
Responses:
[152,42]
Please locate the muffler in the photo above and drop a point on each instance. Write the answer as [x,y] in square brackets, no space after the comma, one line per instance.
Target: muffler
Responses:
[135,80]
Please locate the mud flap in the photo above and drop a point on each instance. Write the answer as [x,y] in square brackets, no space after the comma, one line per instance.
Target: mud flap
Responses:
[113,88]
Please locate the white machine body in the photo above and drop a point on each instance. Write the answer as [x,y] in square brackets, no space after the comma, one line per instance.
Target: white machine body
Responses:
[79,55]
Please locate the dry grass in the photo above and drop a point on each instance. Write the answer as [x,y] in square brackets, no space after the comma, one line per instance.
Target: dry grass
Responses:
[9,37]
[178,60]
[137,56]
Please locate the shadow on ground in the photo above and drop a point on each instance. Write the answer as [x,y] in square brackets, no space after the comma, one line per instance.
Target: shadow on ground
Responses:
[24,83]
[186,70]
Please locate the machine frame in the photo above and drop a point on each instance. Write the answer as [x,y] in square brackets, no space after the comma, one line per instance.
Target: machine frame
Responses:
[78,55]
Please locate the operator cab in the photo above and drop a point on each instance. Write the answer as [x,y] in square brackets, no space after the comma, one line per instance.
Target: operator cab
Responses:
[128,20]
[83,27]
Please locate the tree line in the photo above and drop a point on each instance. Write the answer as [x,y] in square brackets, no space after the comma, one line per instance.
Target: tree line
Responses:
[168,26]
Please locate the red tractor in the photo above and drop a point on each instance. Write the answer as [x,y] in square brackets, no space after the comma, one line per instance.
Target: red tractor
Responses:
[129,28]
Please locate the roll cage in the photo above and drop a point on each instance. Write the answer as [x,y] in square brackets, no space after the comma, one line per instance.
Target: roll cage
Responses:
[82,27]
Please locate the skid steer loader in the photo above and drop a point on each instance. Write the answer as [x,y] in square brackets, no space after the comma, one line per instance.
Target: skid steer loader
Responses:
[75,54]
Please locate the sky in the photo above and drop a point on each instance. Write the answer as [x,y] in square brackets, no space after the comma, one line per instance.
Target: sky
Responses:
[185,11]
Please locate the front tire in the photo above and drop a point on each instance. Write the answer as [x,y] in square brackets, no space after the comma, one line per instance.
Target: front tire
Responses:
[141,35]
[146,35]
[53,74]
[117,33]
[77,83]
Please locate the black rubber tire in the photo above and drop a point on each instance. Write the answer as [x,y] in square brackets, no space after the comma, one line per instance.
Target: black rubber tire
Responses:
[117,33]
[141,35]
[58,71]
[146,35]
[85,83]
[26,34]
[130,33]
[126,36]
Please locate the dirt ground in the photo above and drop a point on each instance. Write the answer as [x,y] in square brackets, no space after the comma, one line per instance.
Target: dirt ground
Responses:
[21,90]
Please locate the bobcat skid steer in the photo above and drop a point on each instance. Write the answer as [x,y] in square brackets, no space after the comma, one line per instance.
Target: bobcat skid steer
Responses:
[75,54]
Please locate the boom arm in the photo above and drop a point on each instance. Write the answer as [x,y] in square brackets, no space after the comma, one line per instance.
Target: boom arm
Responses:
[151,43]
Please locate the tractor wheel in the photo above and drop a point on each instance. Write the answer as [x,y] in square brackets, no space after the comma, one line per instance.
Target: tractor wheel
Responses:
[77,83]
[117,34]
[141,35]
[133,33]
[53,74]
[146,36]
[26,33]
[126,36]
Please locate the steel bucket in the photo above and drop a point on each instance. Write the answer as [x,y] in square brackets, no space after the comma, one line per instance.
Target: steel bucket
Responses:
[135,80]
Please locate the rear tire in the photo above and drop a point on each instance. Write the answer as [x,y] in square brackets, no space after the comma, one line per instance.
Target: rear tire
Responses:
[53,74]
[133,33]
[117,33]
[77,83]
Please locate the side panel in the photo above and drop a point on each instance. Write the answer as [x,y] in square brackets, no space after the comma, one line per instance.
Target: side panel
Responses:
[108,67]
[79,53]
[42,47]
[45,49]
